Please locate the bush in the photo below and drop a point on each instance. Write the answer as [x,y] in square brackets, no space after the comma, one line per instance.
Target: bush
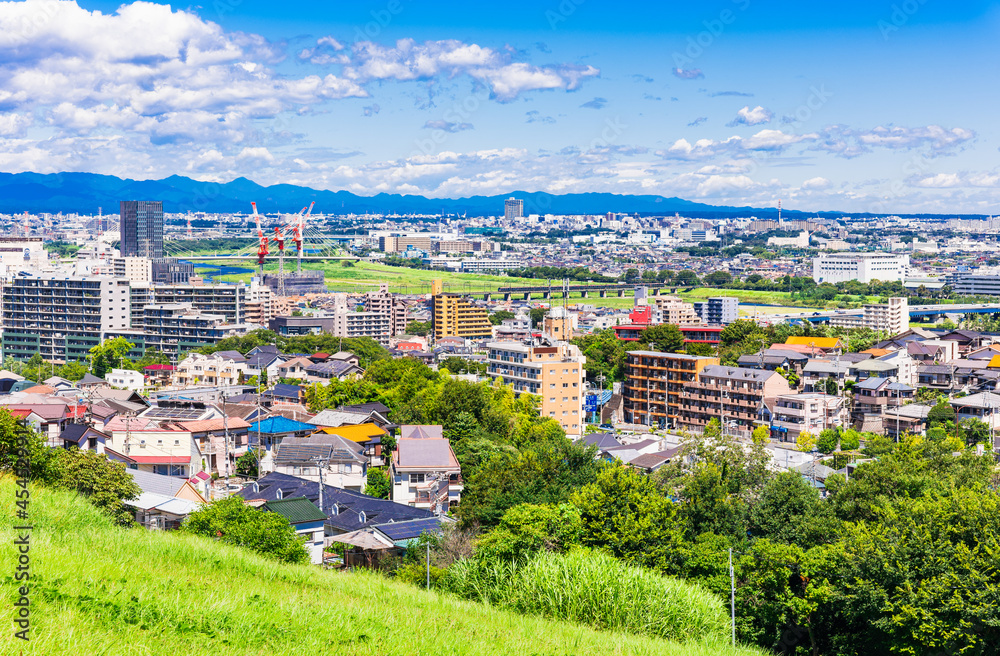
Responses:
[594,589]
[233,522]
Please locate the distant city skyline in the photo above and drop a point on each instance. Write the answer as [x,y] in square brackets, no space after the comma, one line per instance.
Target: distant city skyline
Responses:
[853,106]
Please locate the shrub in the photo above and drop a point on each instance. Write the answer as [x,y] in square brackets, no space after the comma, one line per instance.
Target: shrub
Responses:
[594,589]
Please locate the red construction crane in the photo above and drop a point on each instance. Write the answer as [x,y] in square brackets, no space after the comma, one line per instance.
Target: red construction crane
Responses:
[262,249]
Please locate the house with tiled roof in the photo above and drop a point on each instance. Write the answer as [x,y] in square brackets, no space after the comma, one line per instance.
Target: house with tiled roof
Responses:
[345,510]
[343,462]
[270,432]
[426,473]
[307,520]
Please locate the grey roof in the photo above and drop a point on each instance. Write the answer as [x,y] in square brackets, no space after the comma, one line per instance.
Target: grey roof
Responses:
[335,418]
[874,365]
[156,483]
[910,410]
[981,400]
[872,383]
[650,460]
[813,468]
[333,448]
[91,379]
[429,453]
[737,373]
[235,356]
[601,440]
[936,369]
[825,367]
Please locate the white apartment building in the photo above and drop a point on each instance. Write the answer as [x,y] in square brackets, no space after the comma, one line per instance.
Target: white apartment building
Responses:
[892,317]
[555,373]
[426,474]
[863,267]
[61,317]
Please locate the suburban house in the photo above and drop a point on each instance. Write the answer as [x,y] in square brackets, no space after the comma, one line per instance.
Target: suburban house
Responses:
[307,520]
[330,369]
[159,447]
[84,437]
[792,414]
[345,510]
[269,432]
[127,379]
[426,474]
[344,463]
[872,396]
[368,435]
[294,367]
[165,500]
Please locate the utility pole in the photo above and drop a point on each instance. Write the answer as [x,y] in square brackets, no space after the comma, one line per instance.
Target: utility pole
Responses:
[732,595]
[225,428]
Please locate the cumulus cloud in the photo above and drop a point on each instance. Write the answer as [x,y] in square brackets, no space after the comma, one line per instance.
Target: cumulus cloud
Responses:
[755,116]
[688,73]
[447,126]
[698,121]
[816,183]
[596,103]
[850,142]
[506,79]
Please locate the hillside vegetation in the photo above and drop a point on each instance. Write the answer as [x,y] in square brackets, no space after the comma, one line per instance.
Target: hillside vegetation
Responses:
[101,589]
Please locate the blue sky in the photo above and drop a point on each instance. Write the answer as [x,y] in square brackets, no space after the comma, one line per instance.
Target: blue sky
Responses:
[854,106]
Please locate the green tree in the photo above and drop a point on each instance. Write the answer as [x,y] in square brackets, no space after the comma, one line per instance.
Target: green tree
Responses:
[418,328]
[790,510]
[761,435]
[605,356]
[233,522]
[104,482]
[499,316]
[548,473]
[739,332]
[457,365]
[709,505]
[718,279]
[378,483]
[831,387]
[526,529]
[687,278]
[828,440]
[537,315]
[664,337]
[941,413]
[625,513]
[109,354]
[850,440]
[246,464]
[695,348]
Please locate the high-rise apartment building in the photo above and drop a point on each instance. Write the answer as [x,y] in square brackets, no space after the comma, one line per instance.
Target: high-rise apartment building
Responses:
[455,316]
[141,227]
[718,310]
[513,208]
[61,317]
[555,373]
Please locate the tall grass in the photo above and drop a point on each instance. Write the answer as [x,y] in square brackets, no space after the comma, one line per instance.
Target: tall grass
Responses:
[99,590]
[594,589]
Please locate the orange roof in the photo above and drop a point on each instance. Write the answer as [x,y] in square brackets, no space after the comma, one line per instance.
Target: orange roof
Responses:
[994,362]
[877,352]
[817,342]
[356,433]
[40,389]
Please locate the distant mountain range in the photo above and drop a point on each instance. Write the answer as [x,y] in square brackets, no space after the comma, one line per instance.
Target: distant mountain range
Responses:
[83,193]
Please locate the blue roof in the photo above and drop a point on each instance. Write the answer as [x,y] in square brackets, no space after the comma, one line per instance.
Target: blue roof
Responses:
[342,507]
[408,530]
[279,424]
[284,389]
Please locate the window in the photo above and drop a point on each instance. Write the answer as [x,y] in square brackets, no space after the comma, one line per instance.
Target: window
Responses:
[416,478]
[565,384]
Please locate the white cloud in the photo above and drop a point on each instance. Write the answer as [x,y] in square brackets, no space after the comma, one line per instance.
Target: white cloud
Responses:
[816,183]
[506,79]
[755,116]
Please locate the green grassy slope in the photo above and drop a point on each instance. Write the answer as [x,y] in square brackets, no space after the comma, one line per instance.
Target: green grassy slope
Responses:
[98,589]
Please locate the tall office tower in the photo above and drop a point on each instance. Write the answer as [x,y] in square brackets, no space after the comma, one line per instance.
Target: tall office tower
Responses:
[513,208]
[141,228]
